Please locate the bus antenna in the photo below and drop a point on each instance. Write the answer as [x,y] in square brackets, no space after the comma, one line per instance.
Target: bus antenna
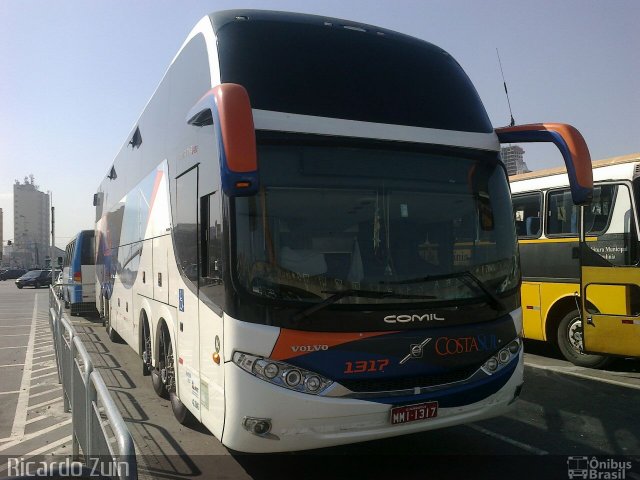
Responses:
[504,82]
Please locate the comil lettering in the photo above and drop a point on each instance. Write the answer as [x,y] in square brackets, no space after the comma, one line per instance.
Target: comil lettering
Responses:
[427,317]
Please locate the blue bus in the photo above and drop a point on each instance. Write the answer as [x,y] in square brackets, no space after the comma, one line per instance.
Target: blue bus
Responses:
[78,274]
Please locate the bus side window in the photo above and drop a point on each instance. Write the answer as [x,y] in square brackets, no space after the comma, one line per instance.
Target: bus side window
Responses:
[185,221]
[562,215]
[212,263]
[526,209]
[598,214]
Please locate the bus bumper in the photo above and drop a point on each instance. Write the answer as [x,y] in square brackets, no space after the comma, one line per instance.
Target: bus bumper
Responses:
[301,421]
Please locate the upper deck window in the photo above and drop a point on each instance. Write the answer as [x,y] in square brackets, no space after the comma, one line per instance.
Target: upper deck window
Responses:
[330,71]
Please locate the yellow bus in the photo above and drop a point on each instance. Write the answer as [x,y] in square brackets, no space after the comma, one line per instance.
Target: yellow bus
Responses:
[565,281]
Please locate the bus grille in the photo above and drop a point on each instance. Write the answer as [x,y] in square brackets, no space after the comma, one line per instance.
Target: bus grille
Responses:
[407,383]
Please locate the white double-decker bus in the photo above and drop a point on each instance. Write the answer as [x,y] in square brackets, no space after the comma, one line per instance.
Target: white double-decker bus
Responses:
[308,235]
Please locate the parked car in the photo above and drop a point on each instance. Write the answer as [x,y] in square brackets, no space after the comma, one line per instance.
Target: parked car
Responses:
[12,273]
[35,279]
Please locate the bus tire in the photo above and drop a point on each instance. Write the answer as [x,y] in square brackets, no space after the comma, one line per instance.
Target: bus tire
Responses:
[146,349]
[570,341]
[181,412]
[158,386]
[160,374]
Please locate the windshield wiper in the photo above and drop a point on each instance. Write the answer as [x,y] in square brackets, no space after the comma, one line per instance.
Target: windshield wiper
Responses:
[492,298]
[338,295]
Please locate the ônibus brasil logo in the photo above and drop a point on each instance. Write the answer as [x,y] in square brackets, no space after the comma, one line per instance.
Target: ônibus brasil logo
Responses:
[591,468]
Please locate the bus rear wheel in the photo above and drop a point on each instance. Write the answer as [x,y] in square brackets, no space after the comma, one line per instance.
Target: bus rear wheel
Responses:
[146,349]
[570,343]
[162,375]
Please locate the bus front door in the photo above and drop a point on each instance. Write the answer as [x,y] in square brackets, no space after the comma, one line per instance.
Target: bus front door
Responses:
[611,282]
[613,327]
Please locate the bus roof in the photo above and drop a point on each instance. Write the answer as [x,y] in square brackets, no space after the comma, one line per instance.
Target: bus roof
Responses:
[606,162]
[625,167]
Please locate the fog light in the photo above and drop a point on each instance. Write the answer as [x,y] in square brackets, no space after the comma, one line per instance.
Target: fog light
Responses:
[514,347]
[312,383]
[271,370]
[292,377]
[491,364]
[257,426]
[504,356]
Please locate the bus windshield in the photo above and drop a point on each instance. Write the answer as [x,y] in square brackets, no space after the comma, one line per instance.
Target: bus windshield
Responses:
[401,222]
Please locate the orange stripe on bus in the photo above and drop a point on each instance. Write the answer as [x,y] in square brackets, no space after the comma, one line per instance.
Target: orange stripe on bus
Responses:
[293,343]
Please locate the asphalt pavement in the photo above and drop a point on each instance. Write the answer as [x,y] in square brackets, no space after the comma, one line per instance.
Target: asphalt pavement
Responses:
[32,420]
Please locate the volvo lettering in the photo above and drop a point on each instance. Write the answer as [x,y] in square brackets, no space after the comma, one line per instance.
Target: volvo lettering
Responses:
[309,348]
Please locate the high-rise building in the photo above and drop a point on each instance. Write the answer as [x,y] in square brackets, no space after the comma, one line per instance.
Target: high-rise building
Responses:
[513,158]
[30,224]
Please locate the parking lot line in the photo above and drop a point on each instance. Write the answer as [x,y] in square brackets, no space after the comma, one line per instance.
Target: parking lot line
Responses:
[49,367]
[44,404]
[36,419]
[565,371]
[39,451]
[10,393]
[37,434]
[23,399]
[45,392]
[45,375]
[511,441]
[45,356]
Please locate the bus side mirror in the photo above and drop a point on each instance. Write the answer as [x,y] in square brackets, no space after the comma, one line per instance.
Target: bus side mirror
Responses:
[228,109]
[570,143]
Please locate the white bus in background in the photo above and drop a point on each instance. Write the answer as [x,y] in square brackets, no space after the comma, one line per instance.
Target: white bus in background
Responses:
[271,238]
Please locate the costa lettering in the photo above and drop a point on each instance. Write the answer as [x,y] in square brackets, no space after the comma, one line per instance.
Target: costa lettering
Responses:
[456,346]
[309,348]
[427,317]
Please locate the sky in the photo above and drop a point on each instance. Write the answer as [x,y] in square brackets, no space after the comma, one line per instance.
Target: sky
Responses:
[76,75]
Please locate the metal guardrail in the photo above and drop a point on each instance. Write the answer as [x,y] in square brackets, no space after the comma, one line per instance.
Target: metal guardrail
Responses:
[98,428]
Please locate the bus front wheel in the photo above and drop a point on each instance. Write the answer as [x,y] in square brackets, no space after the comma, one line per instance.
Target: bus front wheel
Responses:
[570,343]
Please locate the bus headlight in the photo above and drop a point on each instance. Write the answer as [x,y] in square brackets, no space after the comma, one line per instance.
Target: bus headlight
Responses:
[502,357]
[282,374]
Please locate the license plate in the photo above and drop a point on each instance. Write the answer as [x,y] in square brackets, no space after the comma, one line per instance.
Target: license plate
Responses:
[414,413]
